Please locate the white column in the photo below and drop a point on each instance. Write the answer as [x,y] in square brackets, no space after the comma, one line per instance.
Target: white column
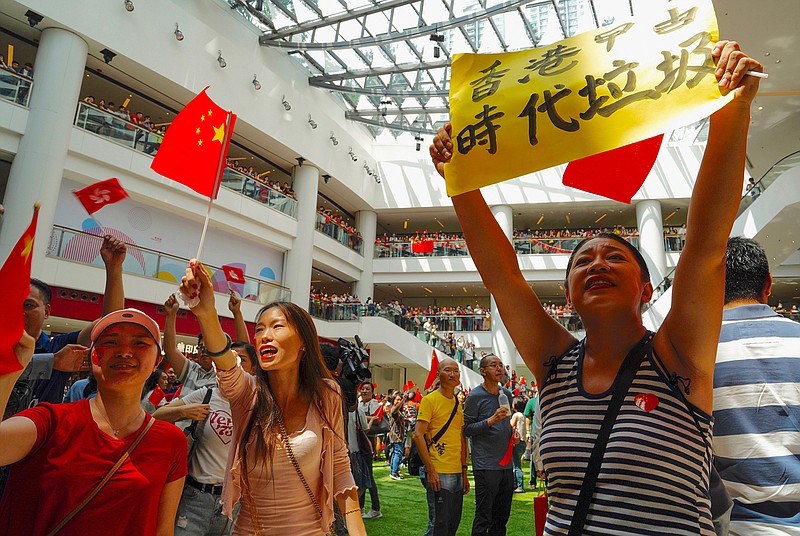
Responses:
[297,271]
[651,238]
[38,166]
[367,225]
[502,345]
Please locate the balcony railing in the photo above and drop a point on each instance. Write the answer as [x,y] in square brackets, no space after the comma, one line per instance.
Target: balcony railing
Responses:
[241,183]
[784,164]
[15,87]
[84,247]
[329,227]
[523,246]
[115,128]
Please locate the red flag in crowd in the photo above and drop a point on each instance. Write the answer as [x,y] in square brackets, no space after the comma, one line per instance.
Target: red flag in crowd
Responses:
[178,392]
[97,195]
[616,174]
[156,396]
[516,391]
[233,274]
[15,285]
[194,144]
[506,459]
[434,372]
[417,396]
[380,412]
[522,380]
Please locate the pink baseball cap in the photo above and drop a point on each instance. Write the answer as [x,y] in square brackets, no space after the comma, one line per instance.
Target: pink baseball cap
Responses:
[128,316]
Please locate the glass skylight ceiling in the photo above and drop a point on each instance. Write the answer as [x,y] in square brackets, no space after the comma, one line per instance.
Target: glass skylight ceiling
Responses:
[389,60]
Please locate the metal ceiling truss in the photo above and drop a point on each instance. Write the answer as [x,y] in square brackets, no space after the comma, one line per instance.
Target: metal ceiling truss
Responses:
[399,111]
[397,36]
[401,127]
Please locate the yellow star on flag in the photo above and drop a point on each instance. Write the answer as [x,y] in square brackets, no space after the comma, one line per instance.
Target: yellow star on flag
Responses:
[199,143]
[210,113]
[26,252]
[219,133]
[197,131]
[202,118]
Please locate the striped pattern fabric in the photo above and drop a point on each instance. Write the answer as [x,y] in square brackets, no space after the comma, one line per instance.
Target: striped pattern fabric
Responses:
[655,471]
[757,420]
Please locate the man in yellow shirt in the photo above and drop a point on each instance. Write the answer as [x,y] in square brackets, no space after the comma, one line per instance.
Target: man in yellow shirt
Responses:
[440,440]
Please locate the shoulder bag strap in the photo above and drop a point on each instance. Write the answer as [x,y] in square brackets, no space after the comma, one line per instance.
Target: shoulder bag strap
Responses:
[196,428]
[444,428]
[624,380]
[105,480]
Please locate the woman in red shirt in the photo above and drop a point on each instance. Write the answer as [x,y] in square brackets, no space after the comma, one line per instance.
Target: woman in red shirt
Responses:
[61,452]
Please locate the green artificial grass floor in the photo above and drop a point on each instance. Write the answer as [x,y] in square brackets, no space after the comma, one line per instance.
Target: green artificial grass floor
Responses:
[405,510]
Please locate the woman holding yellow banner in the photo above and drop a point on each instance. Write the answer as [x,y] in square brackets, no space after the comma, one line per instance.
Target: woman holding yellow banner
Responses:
[626,437]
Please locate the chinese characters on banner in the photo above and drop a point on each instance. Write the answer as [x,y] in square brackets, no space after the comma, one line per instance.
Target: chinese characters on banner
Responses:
[519,112]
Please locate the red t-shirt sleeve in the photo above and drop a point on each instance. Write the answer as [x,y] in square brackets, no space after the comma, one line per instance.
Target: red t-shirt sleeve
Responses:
[44,418]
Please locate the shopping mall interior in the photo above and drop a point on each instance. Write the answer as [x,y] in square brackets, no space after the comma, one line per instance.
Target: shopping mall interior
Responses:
[329,198]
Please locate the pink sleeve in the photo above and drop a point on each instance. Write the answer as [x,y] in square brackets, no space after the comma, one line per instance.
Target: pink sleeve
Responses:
[237,386]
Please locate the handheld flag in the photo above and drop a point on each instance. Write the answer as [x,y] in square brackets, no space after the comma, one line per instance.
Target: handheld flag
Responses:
[616,174]
[15,285]
[434,372]
[506,459]
[156,396]
[380,412]
[195,144]
[233,274]
[97,195]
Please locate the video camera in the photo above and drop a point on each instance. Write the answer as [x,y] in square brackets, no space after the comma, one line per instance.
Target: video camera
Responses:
[355,361]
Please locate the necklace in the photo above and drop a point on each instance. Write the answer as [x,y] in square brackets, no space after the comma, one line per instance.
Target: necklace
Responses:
[116,431]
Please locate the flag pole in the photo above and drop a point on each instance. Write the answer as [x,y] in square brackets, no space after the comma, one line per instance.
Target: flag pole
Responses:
[216,182]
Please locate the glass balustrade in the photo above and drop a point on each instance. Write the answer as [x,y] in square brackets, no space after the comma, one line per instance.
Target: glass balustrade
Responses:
[332,229]
[245,185]
[115,128]
[83,247]
[15,87]
[523,246]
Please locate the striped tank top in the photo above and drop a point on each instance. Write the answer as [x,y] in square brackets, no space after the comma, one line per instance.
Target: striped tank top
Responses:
[655,471]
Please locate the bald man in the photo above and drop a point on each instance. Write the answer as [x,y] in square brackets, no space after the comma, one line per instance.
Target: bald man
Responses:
[443,449]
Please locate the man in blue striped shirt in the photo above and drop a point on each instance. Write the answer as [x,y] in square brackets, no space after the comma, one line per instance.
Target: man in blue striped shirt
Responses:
[757,400]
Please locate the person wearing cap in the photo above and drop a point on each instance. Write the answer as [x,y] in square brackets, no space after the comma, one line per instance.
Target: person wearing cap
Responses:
[62,453]
[57,358]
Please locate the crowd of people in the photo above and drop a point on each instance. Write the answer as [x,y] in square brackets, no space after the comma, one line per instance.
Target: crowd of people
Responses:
[527,241]
[620,428]
[262,179]
[335,225]
[24,70]
[137,127]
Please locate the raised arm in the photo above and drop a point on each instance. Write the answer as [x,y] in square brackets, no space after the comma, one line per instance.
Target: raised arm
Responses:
[174,357]
[536,334]
[197,283]
[690,332]
[235,307]
[17,434]
[113,253]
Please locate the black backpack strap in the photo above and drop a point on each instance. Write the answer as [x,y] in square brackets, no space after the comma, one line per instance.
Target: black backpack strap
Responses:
[623,383]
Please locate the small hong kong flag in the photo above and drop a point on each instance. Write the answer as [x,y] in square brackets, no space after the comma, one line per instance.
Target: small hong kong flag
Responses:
[196,142]
[233,274]
[97,195]
[15,285]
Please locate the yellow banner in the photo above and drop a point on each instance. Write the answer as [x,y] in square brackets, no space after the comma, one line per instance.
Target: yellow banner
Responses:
[518,112]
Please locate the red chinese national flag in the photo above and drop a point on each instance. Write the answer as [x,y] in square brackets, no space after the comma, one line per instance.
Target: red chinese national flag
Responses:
[233,274]
[97,195]
[434,372]
[15,285]
[616,174]
[380,412]
[156,396]
[195,143]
